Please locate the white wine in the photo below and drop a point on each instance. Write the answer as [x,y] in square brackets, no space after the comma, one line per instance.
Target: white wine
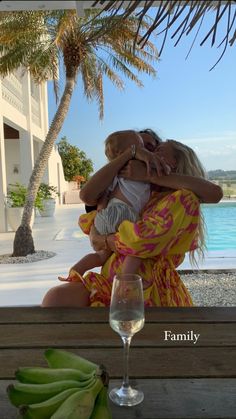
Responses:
[126,319]
[127,323]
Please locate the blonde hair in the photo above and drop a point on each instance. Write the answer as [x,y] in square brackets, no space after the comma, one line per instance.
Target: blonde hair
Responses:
[188,163]
[113,143]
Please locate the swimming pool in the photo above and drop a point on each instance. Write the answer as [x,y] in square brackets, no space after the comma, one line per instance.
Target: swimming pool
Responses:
[220,222]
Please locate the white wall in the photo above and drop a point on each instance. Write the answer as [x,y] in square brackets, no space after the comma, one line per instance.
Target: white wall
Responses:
[56,174]
[12,153]
[24,106]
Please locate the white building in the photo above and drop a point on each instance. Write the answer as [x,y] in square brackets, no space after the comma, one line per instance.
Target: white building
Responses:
[23,128]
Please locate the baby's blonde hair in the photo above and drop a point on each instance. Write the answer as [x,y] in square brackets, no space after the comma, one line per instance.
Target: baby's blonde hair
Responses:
[188,163]
[114,141]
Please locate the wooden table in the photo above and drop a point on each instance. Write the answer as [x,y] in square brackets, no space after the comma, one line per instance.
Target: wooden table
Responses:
[179,379]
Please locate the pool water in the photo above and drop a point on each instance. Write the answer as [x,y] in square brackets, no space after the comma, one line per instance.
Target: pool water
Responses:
[220,222]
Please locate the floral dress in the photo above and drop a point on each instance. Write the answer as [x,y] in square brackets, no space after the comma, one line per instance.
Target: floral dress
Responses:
[167,230]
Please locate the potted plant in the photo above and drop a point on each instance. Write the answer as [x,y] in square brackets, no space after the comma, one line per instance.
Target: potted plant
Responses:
[47,195]
[15,202]
[78,179]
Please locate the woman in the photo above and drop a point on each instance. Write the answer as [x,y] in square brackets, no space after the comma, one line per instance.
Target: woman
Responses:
[170,227]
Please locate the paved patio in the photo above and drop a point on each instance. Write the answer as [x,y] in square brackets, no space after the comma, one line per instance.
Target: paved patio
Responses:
[25,284]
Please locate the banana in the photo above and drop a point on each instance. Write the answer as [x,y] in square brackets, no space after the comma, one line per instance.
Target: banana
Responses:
[45,410]
[102,409]
[56,358]
[20,393]
[50,375]
[80,404]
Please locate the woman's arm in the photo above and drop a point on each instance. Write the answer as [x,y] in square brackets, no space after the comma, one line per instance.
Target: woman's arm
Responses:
[205,190]
[153,234]
[101,241]
[99,182]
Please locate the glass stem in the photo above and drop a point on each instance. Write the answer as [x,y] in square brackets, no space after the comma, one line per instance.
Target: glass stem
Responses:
[126,342]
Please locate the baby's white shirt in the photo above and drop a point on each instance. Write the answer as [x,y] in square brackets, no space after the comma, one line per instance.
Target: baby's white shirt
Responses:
[137,193]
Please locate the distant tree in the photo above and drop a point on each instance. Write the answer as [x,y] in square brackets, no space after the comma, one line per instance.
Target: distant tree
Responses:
[222,174]
[74,161]
[216,174]
[228,192]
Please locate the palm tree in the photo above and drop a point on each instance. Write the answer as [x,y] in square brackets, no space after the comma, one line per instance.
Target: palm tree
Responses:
[90,47]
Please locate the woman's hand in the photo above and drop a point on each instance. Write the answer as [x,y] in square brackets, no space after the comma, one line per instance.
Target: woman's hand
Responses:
[98,242]
[135,170]
[152,161]
[101,242]
[102,179]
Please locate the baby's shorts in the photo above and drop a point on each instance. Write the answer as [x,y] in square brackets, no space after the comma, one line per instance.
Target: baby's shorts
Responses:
[108,219]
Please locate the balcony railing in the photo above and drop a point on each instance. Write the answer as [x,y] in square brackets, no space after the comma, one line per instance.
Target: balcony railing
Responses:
[12,92]
[35,111]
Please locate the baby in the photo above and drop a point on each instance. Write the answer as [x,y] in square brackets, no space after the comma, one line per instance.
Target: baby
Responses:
[123,200]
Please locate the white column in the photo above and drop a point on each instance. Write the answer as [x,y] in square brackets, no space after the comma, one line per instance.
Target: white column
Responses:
[26,137]
[26,156]
[44,108]
[3,177]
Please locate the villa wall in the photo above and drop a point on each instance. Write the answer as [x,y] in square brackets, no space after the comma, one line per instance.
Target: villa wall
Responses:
[56,174]
[23,129]
[12,154]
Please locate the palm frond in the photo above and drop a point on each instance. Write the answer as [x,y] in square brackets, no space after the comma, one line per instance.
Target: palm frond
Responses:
[43,64]
[23,39]
[9,59]
[65,24]
[185,14]
[99,93]
[103,48]
[110,73]
[122,67]
[89,74]
[92,75]
[138,61]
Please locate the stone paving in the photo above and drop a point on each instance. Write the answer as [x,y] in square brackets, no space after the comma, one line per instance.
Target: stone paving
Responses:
[25,284]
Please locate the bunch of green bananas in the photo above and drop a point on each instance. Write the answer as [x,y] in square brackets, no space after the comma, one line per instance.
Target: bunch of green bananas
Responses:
[71,388]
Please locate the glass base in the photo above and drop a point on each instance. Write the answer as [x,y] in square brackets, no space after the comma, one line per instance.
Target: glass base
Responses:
[123,396]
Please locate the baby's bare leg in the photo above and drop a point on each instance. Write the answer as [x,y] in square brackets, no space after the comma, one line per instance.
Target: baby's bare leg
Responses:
[92,260]
[131,265]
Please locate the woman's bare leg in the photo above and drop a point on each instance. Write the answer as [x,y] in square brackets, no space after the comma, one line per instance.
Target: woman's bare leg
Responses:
[71,294]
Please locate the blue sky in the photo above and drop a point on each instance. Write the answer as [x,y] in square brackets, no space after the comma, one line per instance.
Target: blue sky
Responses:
[185,101]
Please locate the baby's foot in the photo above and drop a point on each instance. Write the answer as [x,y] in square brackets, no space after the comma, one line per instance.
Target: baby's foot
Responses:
[68,279]
[73,277]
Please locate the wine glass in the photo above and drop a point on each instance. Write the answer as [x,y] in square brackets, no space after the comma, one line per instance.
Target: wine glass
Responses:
[126,318]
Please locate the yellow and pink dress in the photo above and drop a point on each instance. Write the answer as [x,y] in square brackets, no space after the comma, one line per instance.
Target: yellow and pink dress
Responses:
[167,231]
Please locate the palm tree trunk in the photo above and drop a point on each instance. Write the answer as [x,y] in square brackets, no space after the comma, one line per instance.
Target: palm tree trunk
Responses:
[23,242]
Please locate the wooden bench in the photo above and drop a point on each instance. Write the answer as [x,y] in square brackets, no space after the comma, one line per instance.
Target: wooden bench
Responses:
[179,379]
